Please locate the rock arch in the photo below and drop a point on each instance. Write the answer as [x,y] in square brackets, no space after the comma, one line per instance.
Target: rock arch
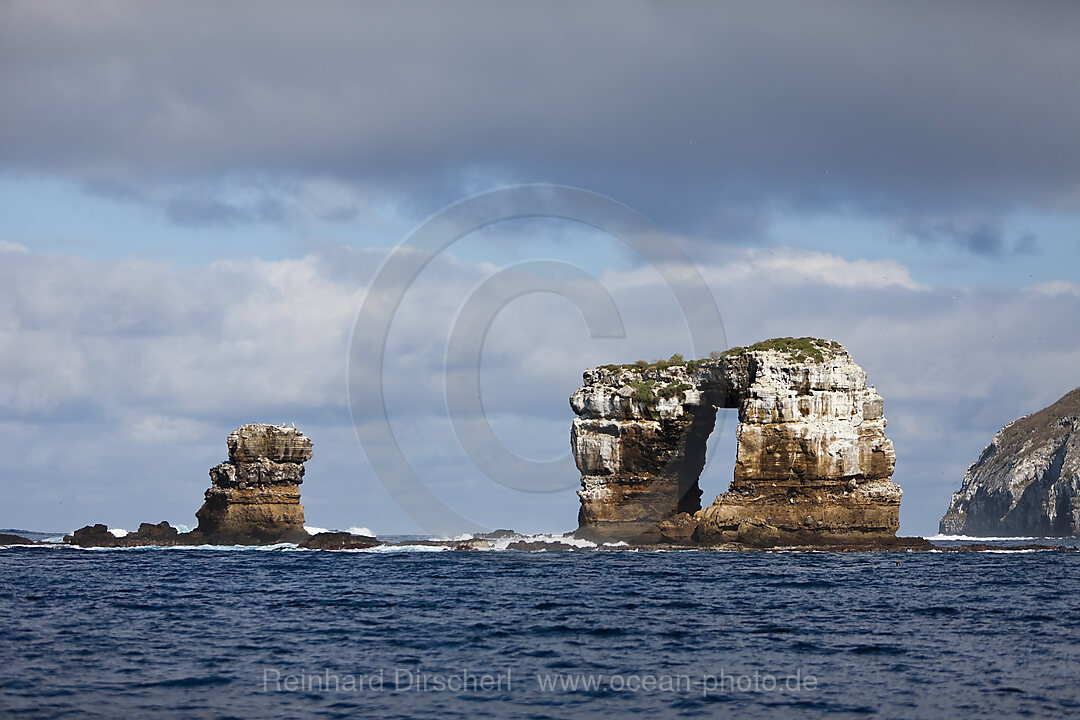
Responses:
[813,463]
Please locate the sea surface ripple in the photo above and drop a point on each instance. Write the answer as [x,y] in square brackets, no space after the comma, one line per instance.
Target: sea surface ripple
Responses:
[618,634]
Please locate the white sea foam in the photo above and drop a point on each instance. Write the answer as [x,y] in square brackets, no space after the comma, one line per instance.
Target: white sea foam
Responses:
[313,530]
[482,544]
[975,538]
[118,532]
[504,542]
[169,548]
[382,549]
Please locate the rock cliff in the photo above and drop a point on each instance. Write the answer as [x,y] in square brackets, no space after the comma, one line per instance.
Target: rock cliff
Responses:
[813,463]
[1027,481]
[254,498]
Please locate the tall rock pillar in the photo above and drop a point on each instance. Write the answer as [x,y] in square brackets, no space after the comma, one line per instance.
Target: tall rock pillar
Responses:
[254,498]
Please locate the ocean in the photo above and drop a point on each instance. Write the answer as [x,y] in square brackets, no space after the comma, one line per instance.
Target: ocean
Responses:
[419,633]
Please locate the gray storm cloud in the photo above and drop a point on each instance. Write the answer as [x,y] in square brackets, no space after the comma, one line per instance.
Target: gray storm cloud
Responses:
[687,111]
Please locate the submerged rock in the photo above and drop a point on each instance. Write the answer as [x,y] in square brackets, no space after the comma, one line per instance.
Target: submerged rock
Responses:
[537,545]
[255,497]
[1027,481]
[813,462]
[497,534]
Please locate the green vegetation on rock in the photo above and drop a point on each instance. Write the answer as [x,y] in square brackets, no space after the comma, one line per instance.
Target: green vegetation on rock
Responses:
[643,365]
[673,389]
[643,390]
[797,349]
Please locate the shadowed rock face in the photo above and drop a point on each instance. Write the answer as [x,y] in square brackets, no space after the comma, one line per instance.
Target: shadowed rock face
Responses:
[339,541]
[99,536]
[1027,481]
[813,463]
[254,498]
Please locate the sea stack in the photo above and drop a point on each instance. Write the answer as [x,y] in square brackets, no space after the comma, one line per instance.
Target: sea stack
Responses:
[254,498]
[1027,480]
[813,466]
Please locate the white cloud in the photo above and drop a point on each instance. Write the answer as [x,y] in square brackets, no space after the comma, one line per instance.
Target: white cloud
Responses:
[1057,287]
[783,266]
[109,369]
[160,430]
[792,266]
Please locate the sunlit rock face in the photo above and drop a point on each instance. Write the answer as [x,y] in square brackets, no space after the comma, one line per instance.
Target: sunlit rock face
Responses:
[254,498]
[1027,481]
[813,462]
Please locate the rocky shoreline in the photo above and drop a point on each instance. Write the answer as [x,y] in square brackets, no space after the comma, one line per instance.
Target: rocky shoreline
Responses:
[98,536]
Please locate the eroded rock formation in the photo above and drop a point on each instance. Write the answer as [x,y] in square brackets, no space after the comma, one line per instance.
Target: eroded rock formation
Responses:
[254,498]
[1027,481]
[148,534]
[813,463]
[339,541]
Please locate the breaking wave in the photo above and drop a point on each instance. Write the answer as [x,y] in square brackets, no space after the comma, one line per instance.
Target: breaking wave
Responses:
[315,530]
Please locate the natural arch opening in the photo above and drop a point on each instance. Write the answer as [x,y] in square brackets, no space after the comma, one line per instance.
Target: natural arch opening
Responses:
[720,453]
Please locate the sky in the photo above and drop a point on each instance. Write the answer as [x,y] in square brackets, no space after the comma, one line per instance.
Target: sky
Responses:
[198,201]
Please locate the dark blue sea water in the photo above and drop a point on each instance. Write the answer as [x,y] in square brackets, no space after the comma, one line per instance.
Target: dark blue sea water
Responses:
[277,633]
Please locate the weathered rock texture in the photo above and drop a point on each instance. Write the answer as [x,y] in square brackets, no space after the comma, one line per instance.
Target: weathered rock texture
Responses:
[339,541]
[255,496]
[813,463]
[1027,481]
[148,534]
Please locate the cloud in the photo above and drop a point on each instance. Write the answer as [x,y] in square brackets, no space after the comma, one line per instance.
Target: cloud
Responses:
[695,113]
[10,247]
[161,430]
[782,266]
[132,369]
[789,266]
[1058,287]
[103,336]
